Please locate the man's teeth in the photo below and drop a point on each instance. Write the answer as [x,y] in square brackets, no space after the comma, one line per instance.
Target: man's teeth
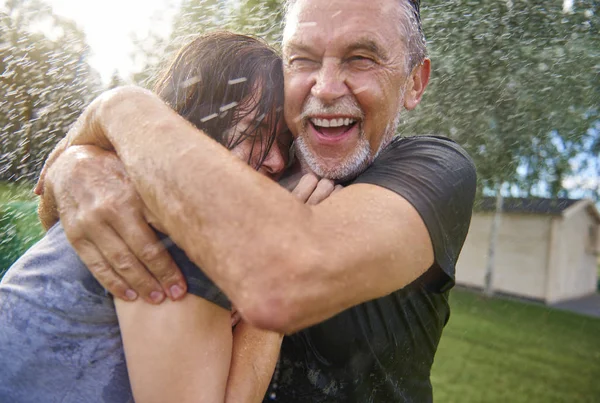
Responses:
[332,122]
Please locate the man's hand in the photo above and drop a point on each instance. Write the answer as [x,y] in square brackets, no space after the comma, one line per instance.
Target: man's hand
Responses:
[107,224]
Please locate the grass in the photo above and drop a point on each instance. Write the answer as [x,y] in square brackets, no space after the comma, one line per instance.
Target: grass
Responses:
[496,350]
[19,225]
[10,192]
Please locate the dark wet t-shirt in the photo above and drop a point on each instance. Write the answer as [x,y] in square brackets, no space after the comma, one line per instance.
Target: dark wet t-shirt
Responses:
[382,350]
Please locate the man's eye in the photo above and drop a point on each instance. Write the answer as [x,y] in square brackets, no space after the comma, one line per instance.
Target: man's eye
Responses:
[302,62]
[361,62]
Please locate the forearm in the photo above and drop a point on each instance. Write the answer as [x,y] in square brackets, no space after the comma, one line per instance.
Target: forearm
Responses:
[182,175]
[284,265]
[254,357]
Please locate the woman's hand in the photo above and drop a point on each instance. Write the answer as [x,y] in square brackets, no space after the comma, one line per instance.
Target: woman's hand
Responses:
[312,190]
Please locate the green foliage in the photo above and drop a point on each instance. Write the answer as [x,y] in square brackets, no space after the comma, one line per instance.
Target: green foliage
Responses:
[495,350]
[262,18]
[516,83]
[45,83]
[19,224]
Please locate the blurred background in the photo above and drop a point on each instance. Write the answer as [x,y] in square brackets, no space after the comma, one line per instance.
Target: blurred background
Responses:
[515,82]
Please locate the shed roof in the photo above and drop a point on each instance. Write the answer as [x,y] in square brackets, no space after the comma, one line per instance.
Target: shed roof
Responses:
[532,205]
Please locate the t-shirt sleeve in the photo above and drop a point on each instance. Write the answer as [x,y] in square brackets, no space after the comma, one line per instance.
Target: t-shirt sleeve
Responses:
[438,178]
[198,283]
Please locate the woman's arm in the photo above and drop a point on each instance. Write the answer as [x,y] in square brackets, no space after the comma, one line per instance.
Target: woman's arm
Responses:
[255,351]
[176,351]
[182,351]
[253,360]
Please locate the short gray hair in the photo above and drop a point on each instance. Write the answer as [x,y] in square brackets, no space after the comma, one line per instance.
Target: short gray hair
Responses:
[416,43]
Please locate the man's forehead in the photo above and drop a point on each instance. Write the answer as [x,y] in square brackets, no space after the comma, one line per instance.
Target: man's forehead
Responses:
[334,8]
[309,18]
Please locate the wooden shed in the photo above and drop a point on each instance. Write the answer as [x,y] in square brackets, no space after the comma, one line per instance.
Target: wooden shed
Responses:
[547,249]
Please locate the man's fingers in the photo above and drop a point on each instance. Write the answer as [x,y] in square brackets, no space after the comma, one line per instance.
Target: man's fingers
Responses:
[305,187]
[324,188]
[337,188]
[124,263]
[54,154]
[103,272]
[151,252]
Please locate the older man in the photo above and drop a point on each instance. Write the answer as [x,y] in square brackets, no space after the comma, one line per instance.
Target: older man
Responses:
[363,277]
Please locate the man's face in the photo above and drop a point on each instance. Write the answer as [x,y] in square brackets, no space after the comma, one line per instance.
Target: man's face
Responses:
[345,77]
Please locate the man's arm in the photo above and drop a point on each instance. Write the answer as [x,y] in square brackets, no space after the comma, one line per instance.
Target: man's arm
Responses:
[90,185]
[285,265]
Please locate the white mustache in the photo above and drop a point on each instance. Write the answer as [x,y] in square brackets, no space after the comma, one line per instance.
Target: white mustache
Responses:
[345,106]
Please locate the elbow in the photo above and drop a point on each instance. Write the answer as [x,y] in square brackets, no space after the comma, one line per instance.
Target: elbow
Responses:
[282,290]
[282,300]
[269,314]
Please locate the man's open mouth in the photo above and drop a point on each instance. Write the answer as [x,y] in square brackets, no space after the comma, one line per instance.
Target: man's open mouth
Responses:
[333,127]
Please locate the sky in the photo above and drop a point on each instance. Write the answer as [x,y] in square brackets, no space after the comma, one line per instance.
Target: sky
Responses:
[109,26]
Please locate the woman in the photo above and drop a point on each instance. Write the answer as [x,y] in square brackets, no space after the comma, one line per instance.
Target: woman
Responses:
[60,334]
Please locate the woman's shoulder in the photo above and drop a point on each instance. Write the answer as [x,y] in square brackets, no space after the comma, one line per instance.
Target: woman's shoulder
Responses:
[51,276]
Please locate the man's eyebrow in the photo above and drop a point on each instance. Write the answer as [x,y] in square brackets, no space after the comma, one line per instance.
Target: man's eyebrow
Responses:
[297,47]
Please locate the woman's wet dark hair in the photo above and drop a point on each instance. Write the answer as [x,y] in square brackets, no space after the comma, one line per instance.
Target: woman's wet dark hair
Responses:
[218,79]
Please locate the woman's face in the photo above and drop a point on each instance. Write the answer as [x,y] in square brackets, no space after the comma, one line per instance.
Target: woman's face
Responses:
[251,148]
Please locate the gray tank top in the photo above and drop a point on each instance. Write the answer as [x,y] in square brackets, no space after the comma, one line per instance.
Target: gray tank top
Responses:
[59,334]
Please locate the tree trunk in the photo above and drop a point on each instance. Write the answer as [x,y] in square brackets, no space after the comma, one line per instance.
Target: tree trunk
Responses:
[489,270]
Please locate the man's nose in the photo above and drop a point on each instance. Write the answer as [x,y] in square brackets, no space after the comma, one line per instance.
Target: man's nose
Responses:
[330,83]
[275,162]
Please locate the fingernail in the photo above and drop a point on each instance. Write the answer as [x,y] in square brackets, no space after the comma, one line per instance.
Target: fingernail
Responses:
[156,296]
[131,295]
[176,291]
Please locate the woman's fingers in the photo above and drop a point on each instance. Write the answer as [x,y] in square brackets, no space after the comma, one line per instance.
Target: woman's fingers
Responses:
[323,190]
[312,190]
[305,187]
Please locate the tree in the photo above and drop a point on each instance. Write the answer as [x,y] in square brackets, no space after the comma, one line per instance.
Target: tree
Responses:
[514,82]
[262,18]
[45,84]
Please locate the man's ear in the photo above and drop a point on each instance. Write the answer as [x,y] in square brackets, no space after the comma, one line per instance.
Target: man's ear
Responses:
[417,81]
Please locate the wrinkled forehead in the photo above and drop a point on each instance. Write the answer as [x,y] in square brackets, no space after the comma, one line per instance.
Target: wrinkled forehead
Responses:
[318,23]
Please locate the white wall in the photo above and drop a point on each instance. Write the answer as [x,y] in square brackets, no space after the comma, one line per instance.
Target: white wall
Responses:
[521,257]
[575,273]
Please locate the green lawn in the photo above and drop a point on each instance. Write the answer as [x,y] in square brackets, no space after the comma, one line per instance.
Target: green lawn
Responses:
[495,350]
[19,225]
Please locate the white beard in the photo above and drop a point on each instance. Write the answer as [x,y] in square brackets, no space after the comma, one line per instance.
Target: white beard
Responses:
[352,165]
